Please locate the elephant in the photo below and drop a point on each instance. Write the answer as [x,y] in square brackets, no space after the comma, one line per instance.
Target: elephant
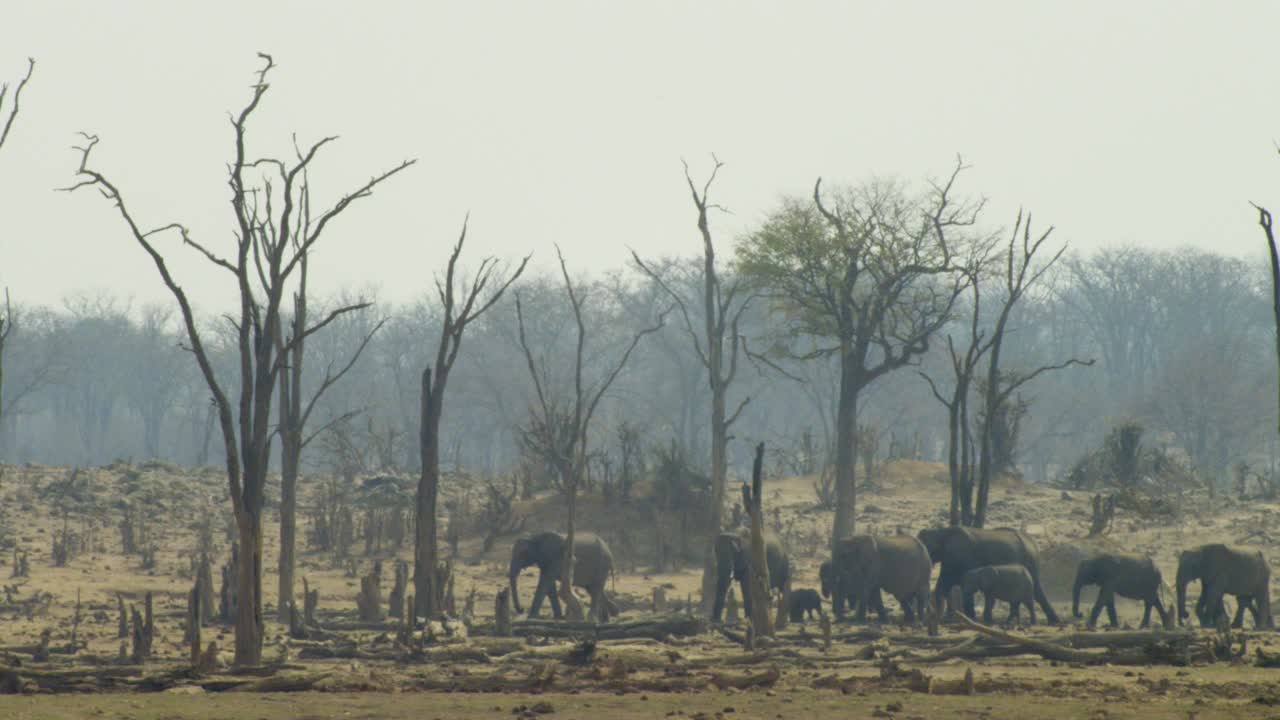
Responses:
[593,564]
[864,565]
[733,562]
[804,603]
[1011,583]
[847,591]
[1224,570]
[961,549]
[1128,576]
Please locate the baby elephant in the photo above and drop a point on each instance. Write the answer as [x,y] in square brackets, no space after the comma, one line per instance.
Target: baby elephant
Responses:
[1008,583]
[805,603]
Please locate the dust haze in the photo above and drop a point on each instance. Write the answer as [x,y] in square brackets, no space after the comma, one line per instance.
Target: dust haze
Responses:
[646,357]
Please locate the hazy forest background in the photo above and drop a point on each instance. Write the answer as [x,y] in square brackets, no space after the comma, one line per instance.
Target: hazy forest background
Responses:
[1181,341]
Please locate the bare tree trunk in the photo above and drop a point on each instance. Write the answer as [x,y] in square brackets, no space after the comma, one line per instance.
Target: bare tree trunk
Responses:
[426,553]
[248,624]
[1264,219]
[572,608]
[288,528]
[761,622]
[719,446]
[846,459]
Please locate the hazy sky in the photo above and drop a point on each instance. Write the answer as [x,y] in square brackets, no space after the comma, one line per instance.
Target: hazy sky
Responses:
[1146,122]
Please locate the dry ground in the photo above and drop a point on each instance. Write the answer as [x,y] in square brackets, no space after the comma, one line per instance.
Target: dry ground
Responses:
[909,496]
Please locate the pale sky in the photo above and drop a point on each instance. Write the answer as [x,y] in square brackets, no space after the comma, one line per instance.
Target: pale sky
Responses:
[1148,122]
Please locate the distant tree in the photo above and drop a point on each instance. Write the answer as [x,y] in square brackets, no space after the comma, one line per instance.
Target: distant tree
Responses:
[1021,273]
[558,426]
[872,273]
[265,199]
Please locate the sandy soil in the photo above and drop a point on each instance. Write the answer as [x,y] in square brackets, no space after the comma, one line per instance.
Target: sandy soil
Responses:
[37,502]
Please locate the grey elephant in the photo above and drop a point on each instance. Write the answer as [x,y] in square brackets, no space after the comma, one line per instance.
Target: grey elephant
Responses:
[962,549]
[846,591]
[1224,570]
[804,604]
[593,564]
[1011,583]
[864,565]
[1128,576]
[733,562]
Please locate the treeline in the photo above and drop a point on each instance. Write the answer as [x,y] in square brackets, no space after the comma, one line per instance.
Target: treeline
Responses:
[1180,339]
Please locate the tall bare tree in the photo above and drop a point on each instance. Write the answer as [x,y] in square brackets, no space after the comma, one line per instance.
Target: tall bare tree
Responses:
[723,306]
[1264,220]
[559,428]
[270,244]
[964,365]
[295,413]
[874,275]
[462,303]
[7,322]
[1021,272]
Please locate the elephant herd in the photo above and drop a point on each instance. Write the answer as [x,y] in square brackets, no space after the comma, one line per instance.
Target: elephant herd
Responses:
[1001,563]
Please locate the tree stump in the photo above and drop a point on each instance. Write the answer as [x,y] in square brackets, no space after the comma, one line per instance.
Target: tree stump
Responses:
[369,601]
[193,624]
[122,629]
[204,581]
[396,602]
[731,608]
[784,606]
[502,613]
[659,603]
[310,602]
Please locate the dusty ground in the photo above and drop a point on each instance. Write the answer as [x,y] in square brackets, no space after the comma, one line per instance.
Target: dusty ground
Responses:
[34,501]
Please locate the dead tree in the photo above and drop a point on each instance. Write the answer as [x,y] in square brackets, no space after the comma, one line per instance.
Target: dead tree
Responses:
[295,413]
[6,322]
[1264,220]
[461,304]
[1104,513]
[1020,274]
[959,433]
[559,432]
[723,306]
[143,632]
[270,243]
[752,500]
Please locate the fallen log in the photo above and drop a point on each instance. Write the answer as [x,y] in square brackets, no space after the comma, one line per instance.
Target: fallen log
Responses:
[1174,649]
[281,683]
[742,682]
[658,629]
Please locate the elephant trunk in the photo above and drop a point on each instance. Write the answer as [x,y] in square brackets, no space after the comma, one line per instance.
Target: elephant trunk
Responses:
[1082,576]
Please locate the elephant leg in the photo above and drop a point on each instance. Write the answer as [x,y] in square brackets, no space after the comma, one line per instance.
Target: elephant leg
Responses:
[989,602]
[863,598]
[1213,608]
[1146,614]
[1097,608]
[745,588]
[942,592]
[539,592]
[1164,613]
[1014,615]
[1242,602]
[1050,616]
[968,606]
[553,596]
[1111,609]
[877,604]
[908,612]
